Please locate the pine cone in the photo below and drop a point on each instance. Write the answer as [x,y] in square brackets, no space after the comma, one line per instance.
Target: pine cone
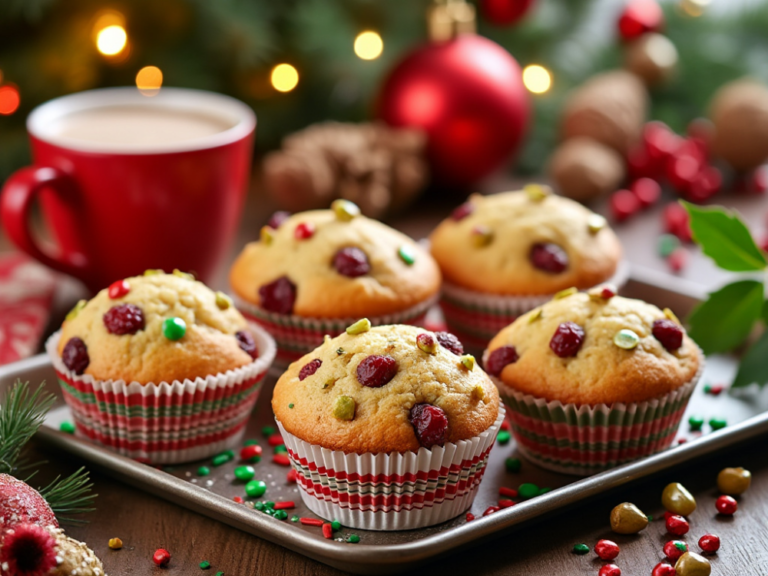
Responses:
[379,168]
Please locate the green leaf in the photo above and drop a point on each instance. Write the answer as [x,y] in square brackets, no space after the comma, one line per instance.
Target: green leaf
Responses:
[754,364]
[725,238]
[725,319]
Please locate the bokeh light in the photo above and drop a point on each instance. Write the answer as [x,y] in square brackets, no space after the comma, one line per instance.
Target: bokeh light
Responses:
[9,99]
[149,80]
[284,77]
[111,40]
[537,79]
[368,45]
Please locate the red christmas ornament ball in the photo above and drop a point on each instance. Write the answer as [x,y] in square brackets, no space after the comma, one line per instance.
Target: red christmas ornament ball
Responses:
[505,12]
[467,94]
[640,17]
[22,504]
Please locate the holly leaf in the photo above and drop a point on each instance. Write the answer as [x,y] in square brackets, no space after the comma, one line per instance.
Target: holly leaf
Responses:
[754,364]
[725,238]
[724,320]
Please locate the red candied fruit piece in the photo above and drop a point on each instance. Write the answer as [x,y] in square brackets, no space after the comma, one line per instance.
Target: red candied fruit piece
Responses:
[726,505]
[247,343]
[278,296]
[548,257]
[310,368]
[124,319]
[567,339]
[351,262]
[277,219]
[304,230]
[375,371]
[75,355]
[118,289]
[450,342]
[161,557]
[606,549]
[462,211]
[709,543]
[677,525]
[500,358]
[668,333]
[662,569]
[609,570]
[674,549]
[430,424]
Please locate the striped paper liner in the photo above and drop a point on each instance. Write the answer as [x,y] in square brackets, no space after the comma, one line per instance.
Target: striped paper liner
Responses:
[394,491]
[165,423]
[299,335]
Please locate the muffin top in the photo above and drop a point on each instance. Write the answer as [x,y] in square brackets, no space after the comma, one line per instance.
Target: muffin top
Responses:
[524,243]
[389,389]
[156,328]
[594,348]
[334,264]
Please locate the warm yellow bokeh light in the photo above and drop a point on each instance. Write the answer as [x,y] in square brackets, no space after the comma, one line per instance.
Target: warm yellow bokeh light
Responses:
[111,40]
[149,80]
[368,45]
[284,77]
[537,79]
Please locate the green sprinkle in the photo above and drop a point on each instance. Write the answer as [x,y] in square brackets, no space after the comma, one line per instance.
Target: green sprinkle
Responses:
[219,573]
[245,473]
[223,301]
[259,506]
[667,244]
[290,405]
[353,538]
[544,490]
[281,514]
[269,504]
[565,293]
[340,351]
[230,453]
[695,422]
[174,328]
[526,491]
[251,442]
[650,518]
[468,361]
[406,254]
[203,471]
[67,427]
[681,546]
[72,314]
[256,488]
[295,518]
[707,388]
[336,525]
[626,339]
[204,565]
[222,458]
[362,325]
[503,437]
[268,430]
[718,423]
[580,549]
[281,449]
[513,464]
[269,511]
[344,408]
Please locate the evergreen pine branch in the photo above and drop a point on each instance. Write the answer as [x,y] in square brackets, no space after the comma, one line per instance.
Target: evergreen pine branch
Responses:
[70,495]
[21,414]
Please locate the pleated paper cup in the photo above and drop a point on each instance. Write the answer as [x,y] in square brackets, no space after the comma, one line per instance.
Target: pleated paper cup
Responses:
[394,491]
[166,422]
[299,335]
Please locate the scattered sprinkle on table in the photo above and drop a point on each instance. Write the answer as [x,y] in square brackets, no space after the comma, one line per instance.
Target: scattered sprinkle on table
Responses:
[291,476]
[695,423]
[275,439]
[336,525]
[282,449]
[506,503]
[717,423]
[251,453]
[115,543]
[280,514]
[287,505]
[268,430]
[256,488]
[161,557]
[527,491]
[311,521]
[67,427]
[203,471]
[294,518]
[245,473]
[250,442]
[505,491]
[353,538]
[281,459]
[327,531]
[513,464]
[238,499]
[470,516]
[503,437]
[204,565]
[580,549]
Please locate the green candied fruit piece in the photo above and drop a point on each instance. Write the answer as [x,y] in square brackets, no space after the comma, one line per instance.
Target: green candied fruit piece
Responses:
[359,327]
[344,408]
[336,525]
[717,423]
[281,514]
[353,538]
[695,423]
[204,565]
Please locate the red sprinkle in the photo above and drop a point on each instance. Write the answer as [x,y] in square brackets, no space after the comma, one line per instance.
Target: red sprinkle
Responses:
[281,459]
[161,557]
[511,492]
[238,499]
[506,503]
[505,425]
[726,505]
[682,440]
[674,549]
[609,570]
[677,525]
[252,451]
[470,516]
[275,440]
[291,476]
[709,543]
[606,549]
[118,289]
[490,510]
[304,230]
[310,521]
[716,390]
[287,505]
[327,531]
[662,569]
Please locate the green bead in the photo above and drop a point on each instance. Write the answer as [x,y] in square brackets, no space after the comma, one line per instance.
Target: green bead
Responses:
[219,573]
[251,442]
[174,328]
[707,388]
[695,422]
[406,254]
[580,549]
[67,427]
[667,244]
[230,453]
[626,339]
[220,459]
[526,491]
[336,525]
[650,517]
[503,437]
[268,430]
[353,539]
[269,504]
[245,473]
[717,423]
[204,565]
[544,490]
[203,471]
[269,511]
[259,506]
[256,488]
[513,464]
[281,514]
[281,449]
[295,518]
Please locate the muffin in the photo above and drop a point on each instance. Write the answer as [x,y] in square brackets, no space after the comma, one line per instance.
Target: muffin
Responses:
[593,380]
[505,254]
[160,368]
[316,272]
[387,428]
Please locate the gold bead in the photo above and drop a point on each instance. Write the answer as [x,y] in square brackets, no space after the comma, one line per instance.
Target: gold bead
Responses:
[734,481]
[691,564]
[626,518]
[675,498]
[115,543]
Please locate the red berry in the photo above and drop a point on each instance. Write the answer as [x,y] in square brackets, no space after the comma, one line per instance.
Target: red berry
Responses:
[674,549]
[705,185]
[499,358]
[660,142]
[682,170]
[291,477]
[709,543]
[351,262]
[430,424]
[124,319]
[609,570]
[375,370]
[677,525]
[247,343]
[249,452]
[22,504]
[640,164]
[694,147]
[462,211]
[758,181]
[662,569]
[548,257]
[277,219]
[278,296]
[118,289]
[647,191]
[75,355]
[490,510]
[677,221]
[639,17]
[668,333]
[567,339]
[608,292]
[310,368]
[161,557]
[726,505]
[624,204]
[606,549]
[450,342]
[678,259]
[304,230]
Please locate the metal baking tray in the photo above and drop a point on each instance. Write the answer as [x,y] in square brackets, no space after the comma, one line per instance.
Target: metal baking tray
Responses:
[392,552]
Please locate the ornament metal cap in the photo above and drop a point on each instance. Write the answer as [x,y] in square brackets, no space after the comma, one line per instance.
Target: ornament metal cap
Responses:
[446,19]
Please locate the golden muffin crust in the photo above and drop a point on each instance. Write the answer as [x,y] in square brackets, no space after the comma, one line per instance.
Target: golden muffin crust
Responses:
[515,223]
[381,420]
[391,285]
[208,347]
[601,372]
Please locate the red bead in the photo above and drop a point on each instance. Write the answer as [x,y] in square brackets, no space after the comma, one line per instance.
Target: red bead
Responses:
[311,521]
[606,549]
[499,358]
[249,452]
[567,339]
[682,440]
[662,569]
[709,543]
[118,289]
[607,293]
[275,440]
[505,491]
[640,17]
[693,147]
[462,211]
[281,460]
[310,368]
[548,257]
[674,549]
[124,319]
[646,190]
[327,531]
[505,503]
[677,525]
[376,370]
[278,296]
[490,510]
[640,165]
[430,424]
[238,499]
[660,143]
[609,570]
[470,516]
[668,333]
[291,476]
[676,221]
[351,262]
[161,557]
[304,230]
[450,342]
[286,505]
[678,259]
[726,505]
[624,204]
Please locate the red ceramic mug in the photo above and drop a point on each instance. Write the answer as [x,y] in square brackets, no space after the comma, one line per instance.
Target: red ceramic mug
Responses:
[168,194]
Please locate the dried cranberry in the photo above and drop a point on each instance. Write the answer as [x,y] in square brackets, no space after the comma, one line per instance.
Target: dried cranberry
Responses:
[124,319]
[310,368]
[500,358]
[276,220]
[461,212]
[75,355]
[351,262]
[567,339]
[450,342]
[375,371]
[278,296]
[548,257]
[726,505]
[247,343]
[668,333]
[430,424]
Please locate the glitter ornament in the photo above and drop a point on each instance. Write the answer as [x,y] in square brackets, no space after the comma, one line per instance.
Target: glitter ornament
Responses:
[22,504]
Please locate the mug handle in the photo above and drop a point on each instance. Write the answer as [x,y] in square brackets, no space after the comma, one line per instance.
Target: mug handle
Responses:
[16,202]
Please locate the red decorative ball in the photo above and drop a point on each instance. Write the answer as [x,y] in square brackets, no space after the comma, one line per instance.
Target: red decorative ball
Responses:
[22,504]
[662,569]
[606,549]
[709,543]
[505,12]
[640,17]
[467,95]
[161,557]
[674,549]
[251,453]
[609,570]
[726,505]
[677,525]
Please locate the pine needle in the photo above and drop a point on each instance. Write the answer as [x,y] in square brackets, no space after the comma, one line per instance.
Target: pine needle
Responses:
[21,414]
[70,495]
